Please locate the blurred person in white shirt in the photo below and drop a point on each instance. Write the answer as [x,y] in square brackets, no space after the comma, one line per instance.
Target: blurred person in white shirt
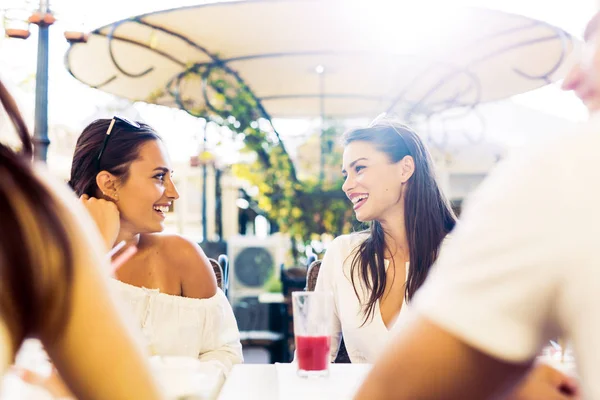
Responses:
[523,267]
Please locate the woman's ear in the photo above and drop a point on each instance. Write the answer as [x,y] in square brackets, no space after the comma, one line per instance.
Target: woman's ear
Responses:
[108,185]
[407,168]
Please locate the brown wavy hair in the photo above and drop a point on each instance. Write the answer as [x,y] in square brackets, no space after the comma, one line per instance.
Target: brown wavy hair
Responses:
[121,150]
[428,215]
[36,256]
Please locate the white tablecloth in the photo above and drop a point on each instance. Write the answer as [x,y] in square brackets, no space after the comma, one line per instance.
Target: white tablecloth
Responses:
[186,376]
[179,376]
[280,382]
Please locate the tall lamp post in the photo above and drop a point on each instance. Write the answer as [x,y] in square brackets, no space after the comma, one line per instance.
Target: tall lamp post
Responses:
[43,17]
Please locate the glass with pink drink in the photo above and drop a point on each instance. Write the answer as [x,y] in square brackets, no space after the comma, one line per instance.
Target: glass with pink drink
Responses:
[313,312]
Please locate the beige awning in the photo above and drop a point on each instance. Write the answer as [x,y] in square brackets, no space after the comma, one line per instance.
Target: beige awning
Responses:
[370,60]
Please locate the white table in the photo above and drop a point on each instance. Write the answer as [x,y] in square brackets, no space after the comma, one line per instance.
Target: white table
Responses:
[279,382]
[179,376]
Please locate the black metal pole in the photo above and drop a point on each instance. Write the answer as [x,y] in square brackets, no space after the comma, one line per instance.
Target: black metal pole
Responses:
[219,205]
[40,132]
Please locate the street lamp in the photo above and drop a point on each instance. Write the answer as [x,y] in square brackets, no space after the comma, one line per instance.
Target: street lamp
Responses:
[17,21]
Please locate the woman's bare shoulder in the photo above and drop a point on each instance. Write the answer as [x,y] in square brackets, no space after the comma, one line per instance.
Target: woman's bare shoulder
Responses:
[188,259]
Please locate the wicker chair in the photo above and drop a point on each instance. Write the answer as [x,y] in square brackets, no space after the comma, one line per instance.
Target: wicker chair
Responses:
[224,263]
[312,275]
[218,273]
[311,282]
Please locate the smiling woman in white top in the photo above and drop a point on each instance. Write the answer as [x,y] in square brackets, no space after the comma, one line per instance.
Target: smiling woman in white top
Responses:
[391,184]
[375,273]
[122,172]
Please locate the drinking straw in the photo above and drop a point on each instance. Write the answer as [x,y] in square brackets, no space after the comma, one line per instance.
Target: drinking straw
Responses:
[116,249]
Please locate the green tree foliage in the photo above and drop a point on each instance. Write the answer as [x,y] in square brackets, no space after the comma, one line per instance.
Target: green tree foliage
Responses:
[304,209]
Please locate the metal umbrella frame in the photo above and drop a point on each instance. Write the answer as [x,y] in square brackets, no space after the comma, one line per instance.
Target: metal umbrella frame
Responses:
[178,51]
[314,58]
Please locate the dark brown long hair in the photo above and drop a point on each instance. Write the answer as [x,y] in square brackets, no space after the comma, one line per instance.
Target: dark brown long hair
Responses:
[36,256]
[428,217]
[121,150]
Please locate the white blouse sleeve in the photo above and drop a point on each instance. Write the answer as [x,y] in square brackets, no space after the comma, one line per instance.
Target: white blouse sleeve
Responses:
[326,282]
[220,335]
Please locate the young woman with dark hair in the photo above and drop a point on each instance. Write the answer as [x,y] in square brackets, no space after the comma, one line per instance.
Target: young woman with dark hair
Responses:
[123,174]
[390,180]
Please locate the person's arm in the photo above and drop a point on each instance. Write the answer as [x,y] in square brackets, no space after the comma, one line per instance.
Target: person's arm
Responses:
[457,371]
[96,354]
[425,362]
[326,282]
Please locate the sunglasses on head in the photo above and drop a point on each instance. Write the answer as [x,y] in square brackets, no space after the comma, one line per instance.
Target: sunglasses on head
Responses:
[114,121]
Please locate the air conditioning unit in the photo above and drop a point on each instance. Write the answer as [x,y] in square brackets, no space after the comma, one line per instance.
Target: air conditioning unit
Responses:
[252,262]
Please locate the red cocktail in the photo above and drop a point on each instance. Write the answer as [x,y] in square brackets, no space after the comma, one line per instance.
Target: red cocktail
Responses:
[313,317]
[312,352]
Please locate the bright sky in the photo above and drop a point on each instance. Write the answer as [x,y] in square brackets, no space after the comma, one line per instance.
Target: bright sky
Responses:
[73,104]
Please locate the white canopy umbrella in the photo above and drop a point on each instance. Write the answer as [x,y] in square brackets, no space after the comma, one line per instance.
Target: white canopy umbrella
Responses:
[323,58]
[334,59]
